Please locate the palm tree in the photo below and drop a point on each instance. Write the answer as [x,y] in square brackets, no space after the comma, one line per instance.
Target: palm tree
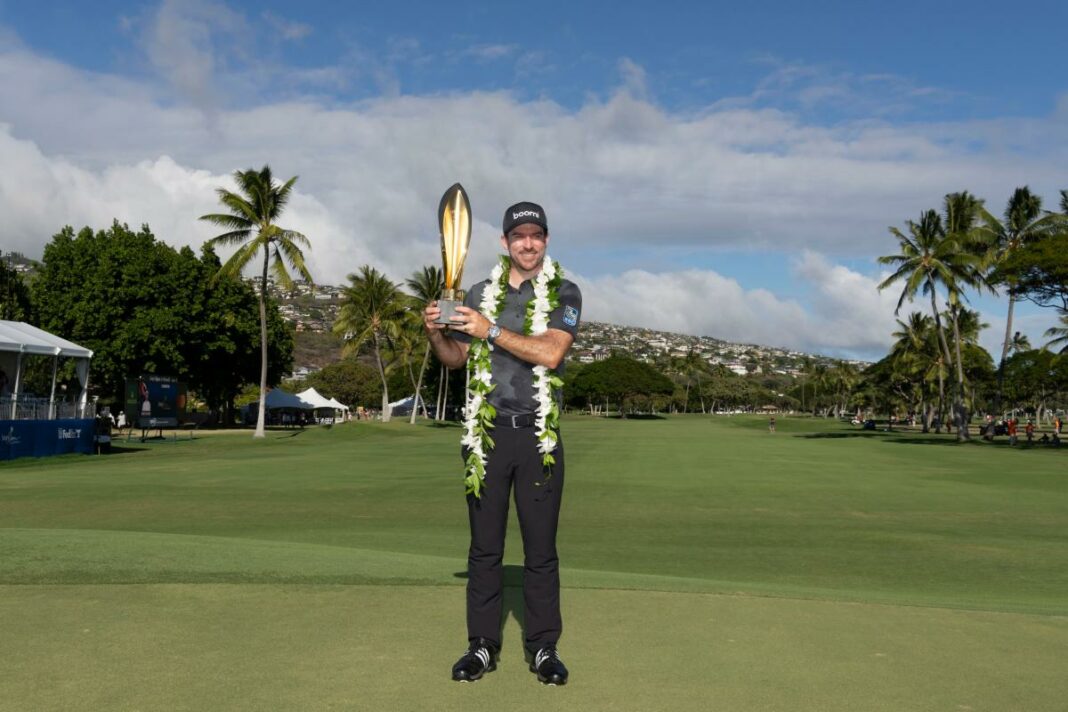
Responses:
[1020,342]
[409,341]
[819,380]
[806,373]
[427,286]
[962,212]
[251,228]
[695,365]
[917,358]
[925,260]
[1061,332]
[1023,224]
[372,309]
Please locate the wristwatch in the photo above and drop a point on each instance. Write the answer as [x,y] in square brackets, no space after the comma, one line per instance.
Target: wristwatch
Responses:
[493,333]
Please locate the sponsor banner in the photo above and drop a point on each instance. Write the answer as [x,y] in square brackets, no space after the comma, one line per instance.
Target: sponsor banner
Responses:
[41,438]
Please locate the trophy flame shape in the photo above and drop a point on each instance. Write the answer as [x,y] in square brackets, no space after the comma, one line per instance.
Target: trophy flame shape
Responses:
[454,216]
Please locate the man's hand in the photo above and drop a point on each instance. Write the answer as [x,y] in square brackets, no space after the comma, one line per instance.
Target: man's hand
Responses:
[430,316]
[471,322]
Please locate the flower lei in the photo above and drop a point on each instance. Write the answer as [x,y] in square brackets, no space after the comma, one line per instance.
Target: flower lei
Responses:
[478,413]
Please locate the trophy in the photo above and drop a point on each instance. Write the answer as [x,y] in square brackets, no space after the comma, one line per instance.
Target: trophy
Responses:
[454,216]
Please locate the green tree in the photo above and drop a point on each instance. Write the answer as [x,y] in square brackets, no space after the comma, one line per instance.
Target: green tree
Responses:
[15,302]
[349,380]
[223,334]
[251,228]
[142,306]
[916,358]
[962,212]
[929,257]
[1060,334]
[372,311]
[1022,224]
[621,380]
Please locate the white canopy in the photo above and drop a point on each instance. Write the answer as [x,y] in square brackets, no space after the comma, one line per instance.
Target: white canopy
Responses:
[18,336]
[278,398]
[314,399]
[19,339]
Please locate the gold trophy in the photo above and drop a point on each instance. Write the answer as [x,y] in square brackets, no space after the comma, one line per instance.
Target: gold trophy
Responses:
[454,216]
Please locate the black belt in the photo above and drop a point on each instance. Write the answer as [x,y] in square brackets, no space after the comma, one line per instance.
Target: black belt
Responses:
[524,420]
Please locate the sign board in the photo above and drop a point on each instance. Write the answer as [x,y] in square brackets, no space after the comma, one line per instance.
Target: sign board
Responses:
[154,401]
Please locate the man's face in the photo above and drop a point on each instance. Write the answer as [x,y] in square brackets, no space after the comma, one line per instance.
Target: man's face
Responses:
[526,246]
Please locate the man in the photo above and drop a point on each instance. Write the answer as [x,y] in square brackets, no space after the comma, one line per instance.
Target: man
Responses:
[514,460]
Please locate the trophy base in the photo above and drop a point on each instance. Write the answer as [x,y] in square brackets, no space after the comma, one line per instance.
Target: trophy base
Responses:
[448,309]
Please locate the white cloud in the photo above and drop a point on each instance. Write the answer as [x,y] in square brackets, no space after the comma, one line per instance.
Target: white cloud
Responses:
[490,52]
[180,44]
[844,314]
[287,29]
[83,148]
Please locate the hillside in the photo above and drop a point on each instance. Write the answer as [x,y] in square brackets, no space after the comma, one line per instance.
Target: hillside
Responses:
[312,311]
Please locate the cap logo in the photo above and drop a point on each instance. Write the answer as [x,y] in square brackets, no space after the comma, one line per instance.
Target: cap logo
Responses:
[526,214]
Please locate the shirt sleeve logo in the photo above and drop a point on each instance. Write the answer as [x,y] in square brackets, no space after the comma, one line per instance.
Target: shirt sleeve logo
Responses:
[571,315]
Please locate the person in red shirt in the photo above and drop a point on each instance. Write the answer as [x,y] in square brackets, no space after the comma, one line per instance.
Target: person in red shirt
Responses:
[1030,430]
[1011,425]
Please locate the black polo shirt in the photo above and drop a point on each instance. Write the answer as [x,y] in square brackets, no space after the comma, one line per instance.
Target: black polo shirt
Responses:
[514,377]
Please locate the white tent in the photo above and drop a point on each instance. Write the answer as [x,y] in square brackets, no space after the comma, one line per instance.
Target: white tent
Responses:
[319,402]
[277,398]
[339,406]
[19,339]
[316,400]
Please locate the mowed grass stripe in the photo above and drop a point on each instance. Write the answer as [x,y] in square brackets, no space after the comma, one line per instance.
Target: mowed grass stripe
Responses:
[685,503]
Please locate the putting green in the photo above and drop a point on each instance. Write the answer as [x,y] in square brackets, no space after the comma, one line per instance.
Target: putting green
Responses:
[707,565]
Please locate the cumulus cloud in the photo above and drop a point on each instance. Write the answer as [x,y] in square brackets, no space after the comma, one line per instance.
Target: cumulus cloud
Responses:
[180,45]
[617,174]
[843,313]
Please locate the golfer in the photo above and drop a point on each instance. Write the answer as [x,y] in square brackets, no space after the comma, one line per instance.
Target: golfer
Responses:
[522,456]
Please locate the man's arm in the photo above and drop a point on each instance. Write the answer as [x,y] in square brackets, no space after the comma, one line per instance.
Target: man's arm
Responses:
[547,349]
[450,352]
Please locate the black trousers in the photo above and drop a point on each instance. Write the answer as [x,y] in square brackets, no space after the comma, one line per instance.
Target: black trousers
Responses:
[515,463]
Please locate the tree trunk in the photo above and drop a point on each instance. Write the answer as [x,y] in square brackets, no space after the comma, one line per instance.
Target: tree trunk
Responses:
[962,410]
[439,406]
[1004,351]
[941,400]
[261,417]
[419,386]
[382,375]
[945,352]
[445,395]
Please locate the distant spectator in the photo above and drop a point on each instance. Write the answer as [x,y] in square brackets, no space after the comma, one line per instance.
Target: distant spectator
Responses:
[1011,426]
[1029,429]
[771,424]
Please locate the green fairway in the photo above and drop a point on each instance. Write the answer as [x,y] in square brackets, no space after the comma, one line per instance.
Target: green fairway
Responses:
[707,564]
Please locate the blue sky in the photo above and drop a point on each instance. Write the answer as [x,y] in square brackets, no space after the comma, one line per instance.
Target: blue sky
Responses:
[744,155]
